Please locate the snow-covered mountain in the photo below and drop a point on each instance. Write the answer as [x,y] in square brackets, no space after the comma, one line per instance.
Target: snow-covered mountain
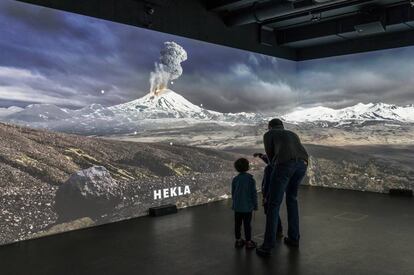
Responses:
[167,109]
[10,110]
[168,104]
[40,113]
[171,110]
[358,113]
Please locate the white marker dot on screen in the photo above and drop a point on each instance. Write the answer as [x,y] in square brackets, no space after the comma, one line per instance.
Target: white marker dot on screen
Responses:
[102,91]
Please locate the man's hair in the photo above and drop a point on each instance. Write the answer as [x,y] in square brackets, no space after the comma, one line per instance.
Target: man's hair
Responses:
[241,165]
[275,123]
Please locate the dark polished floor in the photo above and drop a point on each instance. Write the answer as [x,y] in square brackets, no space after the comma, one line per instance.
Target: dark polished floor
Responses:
[343,232]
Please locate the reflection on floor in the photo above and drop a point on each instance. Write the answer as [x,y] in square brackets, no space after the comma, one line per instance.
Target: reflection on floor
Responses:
[343,232]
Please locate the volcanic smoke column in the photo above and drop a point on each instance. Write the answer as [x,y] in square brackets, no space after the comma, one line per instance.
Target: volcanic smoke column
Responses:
[168,68]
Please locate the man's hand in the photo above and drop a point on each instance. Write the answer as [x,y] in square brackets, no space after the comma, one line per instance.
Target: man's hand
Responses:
[258,155]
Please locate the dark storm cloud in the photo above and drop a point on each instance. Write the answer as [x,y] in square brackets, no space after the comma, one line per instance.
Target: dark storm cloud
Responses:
[78,57]
[384,76]
[260,83]
[55,57]
[242,87]
[77,53]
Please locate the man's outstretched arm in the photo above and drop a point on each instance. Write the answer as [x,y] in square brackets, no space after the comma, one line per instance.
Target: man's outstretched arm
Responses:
[269,147]
[254,194]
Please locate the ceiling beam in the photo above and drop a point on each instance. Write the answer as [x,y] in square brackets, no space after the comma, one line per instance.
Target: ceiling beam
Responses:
[402,15]
[366,44]
[269,12]
[223,5]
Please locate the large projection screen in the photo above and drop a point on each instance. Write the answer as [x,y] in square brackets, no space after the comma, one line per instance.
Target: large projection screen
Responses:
[100,121]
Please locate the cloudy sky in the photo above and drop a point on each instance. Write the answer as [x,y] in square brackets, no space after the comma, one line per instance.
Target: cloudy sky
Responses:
[48,56]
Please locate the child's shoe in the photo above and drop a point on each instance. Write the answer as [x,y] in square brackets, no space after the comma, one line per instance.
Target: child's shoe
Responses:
[250,245]
[239,243]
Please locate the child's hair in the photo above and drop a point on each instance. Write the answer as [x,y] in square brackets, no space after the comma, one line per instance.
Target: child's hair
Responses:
[241,165]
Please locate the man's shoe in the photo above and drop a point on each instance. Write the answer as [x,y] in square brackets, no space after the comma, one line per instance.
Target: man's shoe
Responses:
[262,252]
[239,243]
[279,235]
[291,243]
[250,244]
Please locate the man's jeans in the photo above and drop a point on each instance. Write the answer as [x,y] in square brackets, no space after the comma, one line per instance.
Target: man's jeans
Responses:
[286,177]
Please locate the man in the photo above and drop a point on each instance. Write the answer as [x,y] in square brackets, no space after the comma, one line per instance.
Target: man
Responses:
[265,188]
[290,160]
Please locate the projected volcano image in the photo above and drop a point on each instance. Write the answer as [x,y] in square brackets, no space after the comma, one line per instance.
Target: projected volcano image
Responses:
[100,121]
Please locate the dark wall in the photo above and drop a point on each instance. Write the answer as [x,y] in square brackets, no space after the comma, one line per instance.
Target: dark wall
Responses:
[188,18]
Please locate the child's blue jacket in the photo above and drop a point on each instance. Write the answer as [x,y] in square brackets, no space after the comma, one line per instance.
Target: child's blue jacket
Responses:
[244,193]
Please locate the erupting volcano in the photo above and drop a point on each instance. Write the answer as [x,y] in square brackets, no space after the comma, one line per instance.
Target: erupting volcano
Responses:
[168,68]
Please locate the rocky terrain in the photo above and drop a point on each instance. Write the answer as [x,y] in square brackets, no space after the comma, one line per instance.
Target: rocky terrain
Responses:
[361,155]
[363,168]
[34,163]
[213,135]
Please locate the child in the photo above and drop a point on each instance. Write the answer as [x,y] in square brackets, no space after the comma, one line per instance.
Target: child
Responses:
[244,195]
[265,187]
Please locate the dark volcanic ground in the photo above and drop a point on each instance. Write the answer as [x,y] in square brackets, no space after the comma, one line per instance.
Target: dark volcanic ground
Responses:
[375,168]
[33,163]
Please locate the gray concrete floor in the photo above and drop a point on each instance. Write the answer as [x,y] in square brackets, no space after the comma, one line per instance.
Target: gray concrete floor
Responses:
[343,232]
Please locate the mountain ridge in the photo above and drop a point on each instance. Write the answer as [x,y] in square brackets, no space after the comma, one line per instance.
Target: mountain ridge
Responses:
[360,112]
[168,104]
[170,109]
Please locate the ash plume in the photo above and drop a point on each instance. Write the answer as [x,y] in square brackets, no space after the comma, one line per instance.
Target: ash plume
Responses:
[168,68]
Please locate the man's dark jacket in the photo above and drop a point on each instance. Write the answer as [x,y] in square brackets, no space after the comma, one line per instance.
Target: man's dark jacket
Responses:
[283,145]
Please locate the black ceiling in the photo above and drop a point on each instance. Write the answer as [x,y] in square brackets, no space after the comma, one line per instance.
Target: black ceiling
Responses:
[292,29]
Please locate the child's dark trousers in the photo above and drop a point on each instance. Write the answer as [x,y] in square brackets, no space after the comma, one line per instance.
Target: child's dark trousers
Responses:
[245,219]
